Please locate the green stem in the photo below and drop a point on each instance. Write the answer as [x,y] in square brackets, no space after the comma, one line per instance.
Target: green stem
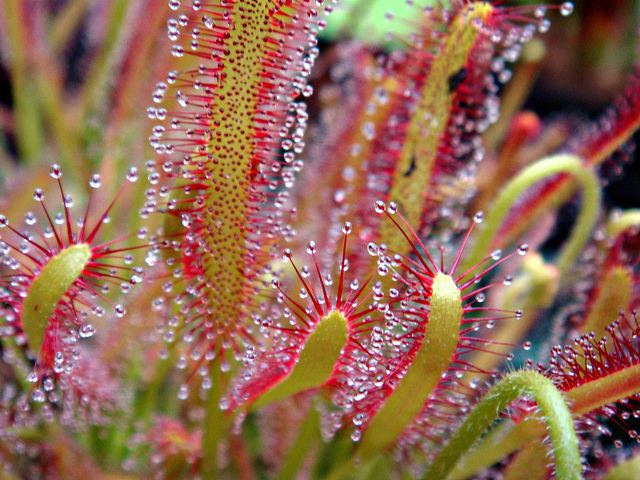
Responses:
[307,436]
[28,129]
[374,469]
[342,470]
[214,424]
[619,223]
[102,69]
[149,398]
[336,459]
[101,80]
[514,190]
[144,406]
[496,445]
[65,24]
[62,129]
[554,411]
[584,399]
[19,366]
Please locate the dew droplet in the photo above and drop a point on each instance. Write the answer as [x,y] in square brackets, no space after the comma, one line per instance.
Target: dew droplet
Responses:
[55,171]
[208,21]
[87,330]
[132,174]
[95,181]
[48,384]
[183,392]
[478,217]
[29,218]
[38,396]
[523,249]
[566,9]
[38,195]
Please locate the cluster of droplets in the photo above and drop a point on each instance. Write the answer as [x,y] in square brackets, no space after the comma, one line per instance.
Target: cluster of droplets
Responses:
[350,137]
[521,23]
[590,357]
[503,36]
[512,29]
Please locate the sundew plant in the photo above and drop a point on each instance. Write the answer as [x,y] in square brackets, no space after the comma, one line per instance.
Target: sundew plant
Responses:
[319,239]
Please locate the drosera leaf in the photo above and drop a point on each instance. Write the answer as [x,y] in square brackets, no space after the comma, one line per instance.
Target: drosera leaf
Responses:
[600,140]
[430,363]
[456,64]
[430,121]
[615,284]
[51,284]
[316,361]
[435,350]
[218,149]
[61,274]
[356,108]
[219,143]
